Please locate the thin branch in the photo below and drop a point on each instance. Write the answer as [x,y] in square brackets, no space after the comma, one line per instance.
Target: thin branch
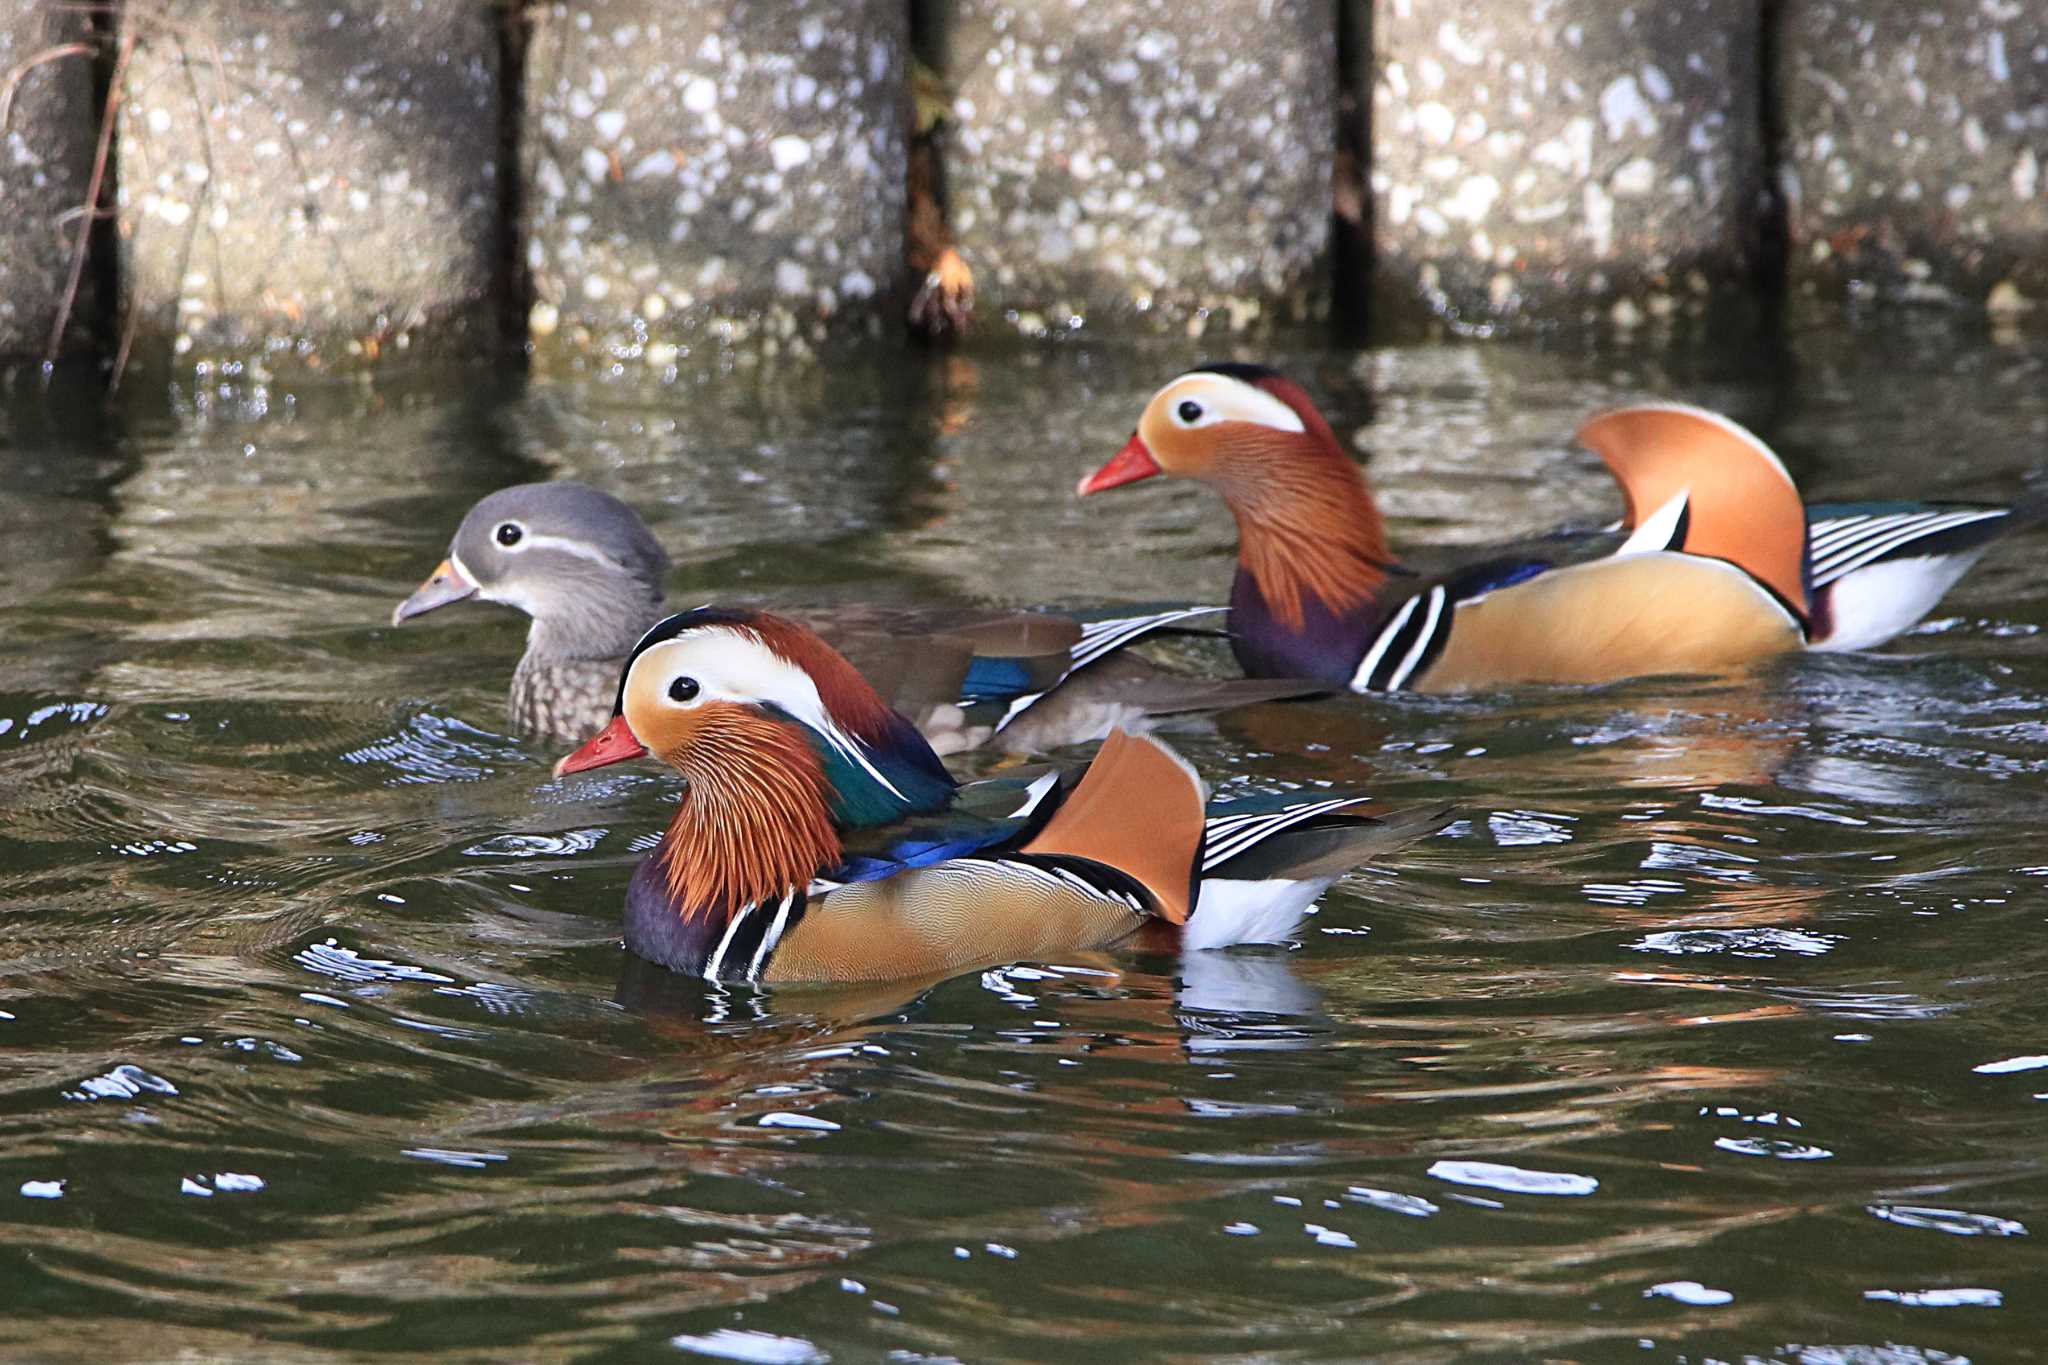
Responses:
[20,73]
[92,199]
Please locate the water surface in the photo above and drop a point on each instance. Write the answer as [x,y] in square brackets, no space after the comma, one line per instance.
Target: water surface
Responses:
[1712,1031]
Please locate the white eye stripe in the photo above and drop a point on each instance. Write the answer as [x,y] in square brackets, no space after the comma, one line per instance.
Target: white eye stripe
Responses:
[734,667]
[1223,399]
[534,540]
[730,666]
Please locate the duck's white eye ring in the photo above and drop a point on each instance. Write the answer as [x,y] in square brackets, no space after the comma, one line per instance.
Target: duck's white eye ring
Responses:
[683,691]
[1188,412]
[509,534]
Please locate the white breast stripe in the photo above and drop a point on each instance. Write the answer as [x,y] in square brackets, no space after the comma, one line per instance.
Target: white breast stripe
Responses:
[711,964]
[1423,638]
[1361,681]
[772,937]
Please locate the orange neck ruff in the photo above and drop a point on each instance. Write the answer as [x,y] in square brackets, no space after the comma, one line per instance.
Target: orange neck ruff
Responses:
[1307,525]
[754,823]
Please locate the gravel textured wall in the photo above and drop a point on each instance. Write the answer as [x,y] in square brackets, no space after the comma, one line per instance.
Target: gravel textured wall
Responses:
[1564,161]
[321,185]
[310,182]
[1143,163]
[1917,150]
[46,151]
[713,178]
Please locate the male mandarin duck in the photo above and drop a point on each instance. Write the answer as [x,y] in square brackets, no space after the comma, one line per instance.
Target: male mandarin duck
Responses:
[819,839]
[1716,563]
[586,569]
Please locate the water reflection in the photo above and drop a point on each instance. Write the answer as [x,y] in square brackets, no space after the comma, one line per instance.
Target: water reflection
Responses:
[319,1039]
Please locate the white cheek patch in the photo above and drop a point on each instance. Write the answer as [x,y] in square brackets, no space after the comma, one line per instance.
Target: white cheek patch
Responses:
[503,595]
[731,666]
[1224,399]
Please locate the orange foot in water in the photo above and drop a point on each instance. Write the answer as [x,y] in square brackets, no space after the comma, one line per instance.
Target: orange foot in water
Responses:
[945,302]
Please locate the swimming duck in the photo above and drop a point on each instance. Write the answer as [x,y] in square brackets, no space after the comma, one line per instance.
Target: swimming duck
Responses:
[819,839]
[1717,562]
[585,568]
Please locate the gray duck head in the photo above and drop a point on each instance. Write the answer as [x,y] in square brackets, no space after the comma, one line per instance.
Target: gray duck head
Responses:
[579,562]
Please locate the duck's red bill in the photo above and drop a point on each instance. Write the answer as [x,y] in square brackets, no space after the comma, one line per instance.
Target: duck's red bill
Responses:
[1132,463]
[615,744]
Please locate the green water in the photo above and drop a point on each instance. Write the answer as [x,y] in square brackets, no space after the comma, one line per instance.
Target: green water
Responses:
[1701,1036]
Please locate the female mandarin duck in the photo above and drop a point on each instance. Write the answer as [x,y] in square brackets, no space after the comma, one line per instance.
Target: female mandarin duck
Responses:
[1717,566]
[819,839]
[586,569]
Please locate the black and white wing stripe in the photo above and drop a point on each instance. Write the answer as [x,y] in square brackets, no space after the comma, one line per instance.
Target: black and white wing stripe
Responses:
[751,937]
[1100,639]
[1411,638]
[1067,873]
[1842,545]
[1227,836]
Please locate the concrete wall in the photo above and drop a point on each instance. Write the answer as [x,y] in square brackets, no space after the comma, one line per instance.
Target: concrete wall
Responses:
[1564,161]
[46,155]
[1116,163]
[712,177]
[641,185]
[1916,157]
[309,184]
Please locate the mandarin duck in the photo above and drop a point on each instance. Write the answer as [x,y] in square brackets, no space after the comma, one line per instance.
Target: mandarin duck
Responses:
[585,568]
[1717,562]
[819,839]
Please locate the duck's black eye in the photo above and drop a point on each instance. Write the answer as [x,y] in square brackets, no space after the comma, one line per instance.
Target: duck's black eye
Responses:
[510,533]
[1189,411]
[683,689]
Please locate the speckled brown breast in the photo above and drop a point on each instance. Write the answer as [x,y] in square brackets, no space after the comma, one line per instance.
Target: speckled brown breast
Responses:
[568,699]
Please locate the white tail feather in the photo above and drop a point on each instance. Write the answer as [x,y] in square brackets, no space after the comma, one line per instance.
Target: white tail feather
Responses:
[1232,911]
[1870,605]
